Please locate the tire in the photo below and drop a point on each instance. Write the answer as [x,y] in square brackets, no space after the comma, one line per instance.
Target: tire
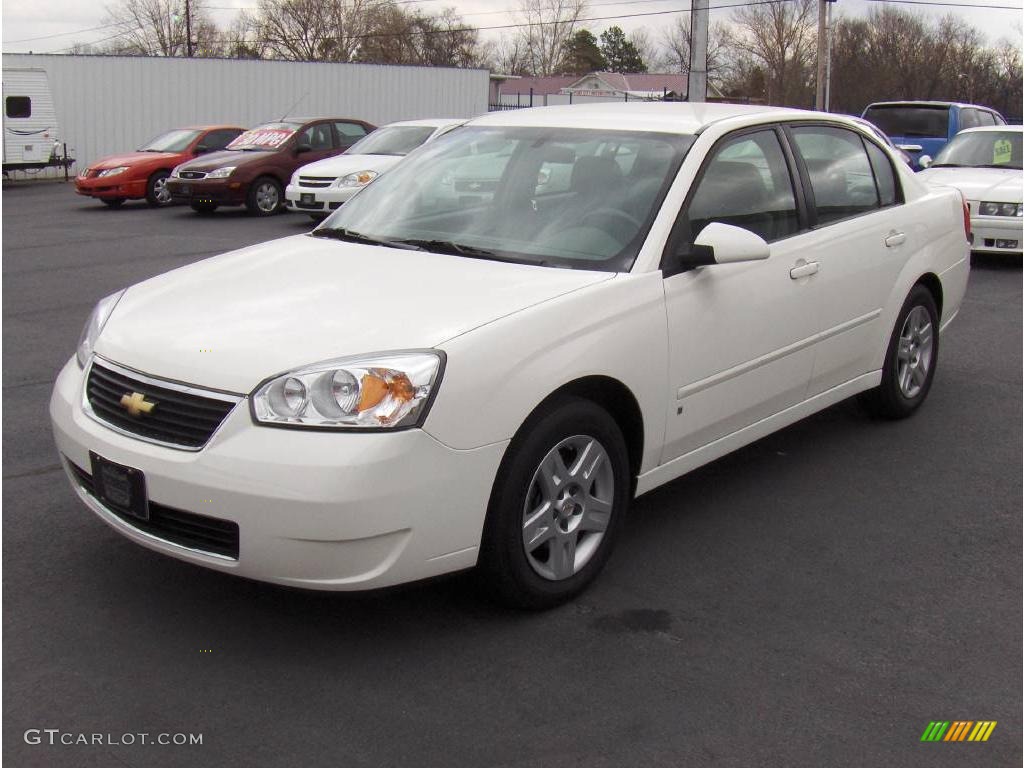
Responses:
[910,359]
[113,202]
[203,207]
[548,532]
[265,196]
[157,194]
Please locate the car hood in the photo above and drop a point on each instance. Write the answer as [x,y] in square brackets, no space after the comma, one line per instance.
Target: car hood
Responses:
[133,158]
[233,320]
[339,165]
[997,185]
[225,157]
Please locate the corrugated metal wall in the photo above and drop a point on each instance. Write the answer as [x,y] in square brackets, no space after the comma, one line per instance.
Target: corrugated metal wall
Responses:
[108,104]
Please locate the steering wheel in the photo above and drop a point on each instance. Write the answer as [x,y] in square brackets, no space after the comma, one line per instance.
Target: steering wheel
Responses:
[606,218]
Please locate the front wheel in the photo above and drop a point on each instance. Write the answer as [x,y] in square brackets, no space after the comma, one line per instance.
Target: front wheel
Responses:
[265,197]
[557,502]
[910,359]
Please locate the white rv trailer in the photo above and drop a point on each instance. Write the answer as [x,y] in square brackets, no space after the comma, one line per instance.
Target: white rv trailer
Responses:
[31,133]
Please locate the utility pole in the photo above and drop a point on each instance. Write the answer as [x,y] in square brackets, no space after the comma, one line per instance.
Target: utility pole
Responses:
[828,61]
[697,82]
[819,95]
[188,29]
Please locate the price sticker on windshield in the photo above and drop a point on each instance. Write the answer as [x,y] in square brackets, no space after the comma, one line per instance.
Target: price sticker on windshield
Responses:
[1002,152]
[270,138]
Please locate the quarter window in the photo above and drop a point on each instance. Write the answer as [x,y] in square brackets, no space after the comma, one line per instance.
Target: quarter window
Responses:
[885,178]
[839,170]
[349,133]
[746,184]
[18,106]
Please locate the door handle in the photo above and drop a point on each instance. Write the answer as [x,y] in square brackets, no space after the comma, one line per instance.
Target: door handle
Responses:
[803,270]
[895,238]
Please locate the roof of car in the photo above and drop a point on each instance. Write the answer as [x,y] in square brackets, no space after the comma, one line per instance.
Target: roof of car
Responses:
[672,117]
[432,122]
[912,103]
[994,128]
[304,120]
[212,128]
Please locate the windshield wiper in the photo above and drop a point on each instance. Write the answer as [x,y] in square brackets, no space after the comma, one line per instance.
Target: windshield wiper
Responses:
[350,236]
[448,246]
[946,165]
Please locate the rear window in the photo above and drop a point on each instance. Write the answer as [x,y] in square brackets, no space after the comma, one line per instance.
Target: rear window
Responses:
[18,106]
[910,121]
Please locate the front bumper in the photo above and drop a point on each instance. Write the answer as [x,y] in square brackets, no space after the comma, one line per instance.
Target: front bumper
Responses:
[318,199]
[997,234]
[111,187]
[319,510]
[207,191]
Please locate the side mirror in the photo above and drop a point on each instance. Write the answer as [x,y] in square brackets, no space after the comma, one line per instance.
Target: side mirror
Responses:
[201,149]
[720,244]
[303,148]
[924,161]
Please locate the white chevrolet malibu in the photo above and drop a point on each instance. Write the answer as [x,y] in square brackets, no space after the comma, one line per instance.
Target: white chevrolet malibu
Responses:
[439,378]
[985,165]
[324,186]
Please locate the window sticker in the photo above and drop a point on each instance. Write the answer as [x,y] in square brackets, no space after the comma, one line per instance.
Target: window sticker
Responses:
[1002,152]
[268,138]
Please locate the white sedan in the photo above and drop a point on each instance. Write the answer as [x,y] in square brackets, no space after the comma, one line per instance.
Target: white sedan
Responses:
[985,165]
[430,382]
[324,186]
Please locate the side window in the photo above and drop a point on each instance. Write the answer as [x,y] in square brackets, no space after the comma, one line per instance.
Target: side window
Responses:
[885,177]
[349,133]
[746,184]
[317,137]
[840,173]
[216,140]
[18,106]
[969,118]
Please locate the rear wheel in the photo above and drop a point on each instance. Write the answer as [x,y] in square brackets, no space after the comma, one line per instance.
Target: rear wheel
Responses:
[910,359]
[203,207]
[113,202]
[157,193]
[264,197]
[556,505]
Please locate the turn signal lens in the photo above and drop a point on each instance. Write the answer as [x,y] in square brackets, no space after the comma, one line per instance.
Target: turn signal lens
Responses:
[373,392]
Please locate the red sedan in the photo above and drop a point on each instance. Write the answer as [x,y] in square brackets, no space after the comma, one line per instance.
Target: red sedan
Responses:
[143,173]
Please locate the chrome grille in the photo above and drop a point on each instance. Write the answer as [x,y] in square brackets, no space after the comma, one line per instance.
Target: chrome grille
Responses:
[181,416]
[191,174]
[316,182]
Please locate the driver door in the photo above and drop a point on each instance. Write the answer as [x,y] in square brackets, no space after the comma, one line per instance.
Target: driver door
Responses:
[741,336]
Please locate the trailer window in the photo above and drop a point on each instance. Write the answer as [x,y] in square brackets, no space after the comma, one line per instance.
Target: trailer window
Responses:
[19,106]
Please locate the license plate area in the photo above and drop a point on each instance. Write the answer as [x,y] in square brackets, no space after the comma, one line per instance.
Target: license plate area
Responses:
[307,197]
[121,488]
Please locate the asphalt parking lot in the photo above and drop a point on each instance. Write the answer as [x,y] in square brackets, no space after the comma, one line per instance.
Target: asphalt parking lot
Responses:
[812,600]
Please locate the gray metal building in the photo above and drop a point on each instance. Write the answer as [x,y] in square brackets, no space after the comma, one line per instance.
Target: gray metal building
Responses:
[110,104]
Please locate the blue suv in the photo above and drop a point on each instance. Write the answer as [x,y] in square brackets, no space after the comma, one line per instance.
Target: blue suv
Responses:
[922,128]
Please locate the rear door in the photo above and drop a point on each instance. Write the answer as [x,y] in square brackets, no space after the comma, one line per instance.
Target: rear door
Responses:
[860,240]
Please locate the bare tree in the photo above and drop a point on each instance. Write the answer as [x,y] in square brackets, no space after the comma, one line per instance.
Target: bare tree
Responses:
[780,38]
[675,44]
[549,24]
[158,27]
[653,55]
[316,30]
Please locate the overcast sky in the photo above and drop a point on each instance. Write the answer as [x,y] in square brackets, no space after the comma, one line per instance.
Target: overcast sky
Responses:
[70,18]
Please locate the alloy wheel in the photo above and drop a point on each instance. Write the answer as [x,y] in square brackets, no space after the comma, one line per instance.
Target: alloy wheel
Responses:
[914,352]
[568,507]
[267,198]
[161,192]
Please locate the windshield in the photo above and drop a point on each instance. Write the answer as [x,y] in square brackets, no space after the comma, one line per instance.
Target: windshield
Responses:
[265,137]
[563,197]
[398,140]
[906,121]
[982,149]
[172,141]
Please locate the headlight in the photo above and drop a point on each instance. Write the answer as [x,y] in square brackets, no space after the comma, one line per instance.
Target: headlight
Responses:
[1000,209]
[112,171]
[357,179]
[221,173]
[94,326]
[374,392]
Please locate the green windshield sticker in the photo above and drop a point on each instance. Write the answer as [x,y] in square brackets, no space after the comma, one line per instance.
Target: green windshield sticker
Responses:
[1002,152]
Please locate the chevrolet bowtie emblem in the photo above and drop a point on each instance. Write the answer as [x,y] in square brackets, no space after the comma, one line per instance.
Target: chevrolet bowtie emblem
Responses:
[136,404]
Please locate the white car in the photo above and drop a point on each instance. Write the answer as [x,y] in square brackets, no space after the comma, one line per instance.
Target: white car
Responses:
[985,165]
[430,382]
[321,187]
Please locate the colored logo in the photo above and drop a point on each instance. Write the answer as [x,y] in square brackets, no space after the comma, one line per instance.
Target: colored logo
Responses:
[136,404]
[958,730]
